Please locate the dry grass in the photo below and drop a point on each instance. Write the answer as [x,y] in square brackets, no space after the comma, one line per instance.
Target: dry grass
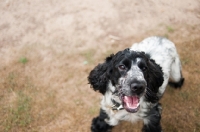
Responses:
[181,109]
[47,51]
[58,97]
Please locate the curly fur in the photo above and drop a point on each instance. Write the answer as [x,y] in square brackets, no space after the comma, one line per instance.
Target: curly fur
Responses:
[98,76]
[134,80]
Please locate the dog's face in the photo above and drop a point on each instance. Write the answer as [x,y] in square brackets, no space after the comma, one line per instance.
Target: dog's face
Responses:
[129,74]
[132,74]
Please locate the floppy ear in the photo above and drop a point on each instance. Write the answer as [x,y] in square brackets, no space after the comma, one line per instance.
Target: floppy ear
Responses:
[155,80]
[98,77]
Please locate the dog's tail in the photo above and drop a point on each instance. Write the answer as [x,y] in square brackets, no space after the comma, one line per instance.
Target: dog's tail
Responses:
[176,77]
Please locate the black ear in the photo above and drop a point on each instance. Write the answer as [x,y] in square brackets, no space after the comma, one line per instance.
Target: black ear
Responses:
[155,80]
[98,77]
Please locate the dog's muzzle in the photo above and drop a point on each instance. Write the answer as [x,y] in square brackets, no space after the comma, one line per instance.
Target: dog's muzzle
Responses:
[131,98]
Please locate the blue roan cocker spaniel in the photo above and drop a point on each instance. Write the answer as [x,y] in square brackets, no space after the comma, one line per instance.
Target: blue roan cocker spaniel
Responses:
[133,81]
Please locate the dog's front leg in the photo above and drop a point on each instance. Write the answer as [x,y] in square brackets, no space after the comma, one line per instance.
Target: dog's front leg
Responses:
[152,121]
[99,124]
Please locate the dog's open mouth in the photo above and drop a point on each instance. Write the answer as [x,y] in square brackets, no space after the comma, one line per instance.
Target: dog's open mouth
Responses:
[131,103]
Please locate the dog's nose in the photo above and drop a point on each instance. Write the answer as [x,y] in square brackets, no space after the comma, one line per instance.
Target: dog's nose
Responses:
[137,87]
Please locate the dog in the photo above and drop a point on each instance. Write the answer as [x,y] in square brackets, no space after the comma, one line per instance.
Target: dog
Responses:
[133,81]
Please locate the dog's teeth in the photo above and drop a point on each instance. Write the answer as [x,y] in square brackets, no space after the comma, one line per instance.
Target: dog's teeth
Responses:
[120,107]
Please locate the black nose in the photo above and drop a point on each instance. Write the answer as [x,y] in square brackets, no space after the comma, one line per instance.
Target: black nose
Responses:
[137,87]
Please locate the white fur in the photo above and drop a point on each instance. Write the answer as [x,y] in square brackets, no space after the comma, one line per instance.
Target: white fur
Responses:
[164,53]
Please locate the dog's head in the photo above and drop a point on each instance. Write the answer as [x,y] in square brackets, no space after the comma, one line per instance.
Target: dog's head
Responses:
[133,74]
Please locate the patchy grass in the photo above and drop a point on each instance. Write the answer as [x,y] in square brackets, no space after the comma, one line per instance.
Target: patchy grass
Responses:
[51,92]
[60,98]
[180,109]
[170,29]
[19,116]
[23,60]
[46,56]
[16,102]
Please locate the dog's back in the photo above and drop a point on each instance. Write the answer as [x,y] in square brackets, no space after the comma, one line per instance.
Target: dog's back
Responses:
[164,53]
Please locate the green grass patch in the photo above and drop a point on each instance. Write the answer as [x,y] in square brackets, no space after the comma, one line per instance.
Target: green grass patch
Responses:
[23,60]
[20,114]
[170,29]
[93,110]
[11,81]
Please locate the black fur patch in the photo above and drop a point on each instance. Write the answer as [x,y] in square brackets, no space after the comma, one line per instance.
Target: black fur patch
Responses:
[154,117]
[99,124]
[98,76]
[177,84]
[154,81]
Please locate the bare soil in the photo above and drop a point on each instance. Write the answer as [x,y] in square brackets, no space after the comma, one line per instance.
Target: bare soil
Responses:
[48,48]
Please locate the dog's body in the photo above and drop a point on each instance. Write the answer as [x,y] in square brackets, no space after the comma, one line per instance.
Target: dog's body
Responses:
[132,82]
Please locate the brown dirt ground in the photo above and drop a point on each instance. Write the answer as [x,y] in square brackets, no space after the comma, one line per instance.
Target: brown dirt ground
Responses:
[47,49]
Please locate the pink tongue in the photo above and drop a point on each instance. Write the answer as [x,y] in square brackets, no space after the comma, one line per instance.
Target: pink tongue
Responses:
[131,101]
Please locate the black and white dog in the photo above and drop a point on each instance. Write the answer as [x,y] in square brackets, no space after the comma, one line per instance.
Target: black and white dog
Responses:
[133,81]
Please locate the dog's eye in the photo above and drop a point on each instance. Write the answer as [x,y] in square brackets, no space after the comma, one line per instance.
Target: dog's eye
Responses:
[122,67]
[144,68]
